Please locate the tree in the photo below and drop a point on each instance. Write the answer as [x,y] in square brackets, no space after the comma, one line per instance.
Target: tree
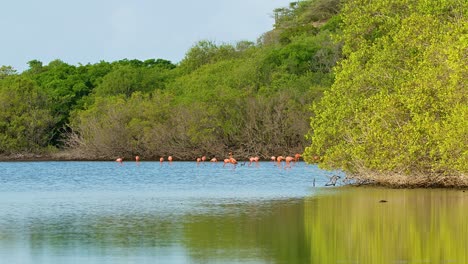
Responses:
[35,66]
[398,93]
[25,120]
[6,71]
[205,52]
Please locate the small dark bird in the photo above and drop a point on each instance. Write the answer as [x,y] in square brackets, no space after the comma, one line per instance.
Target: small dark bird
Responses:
[382,201]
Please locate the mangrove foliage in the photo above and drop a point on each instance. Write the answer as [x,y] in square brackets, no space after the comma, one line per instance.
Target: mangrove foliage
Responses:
[398,105]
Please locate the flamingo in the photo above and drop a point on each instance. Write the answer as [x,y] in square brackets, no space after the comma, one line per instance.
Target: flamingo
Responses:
[119,160]
[169,159]
[288,160]
[297,156]
[230,160]
[251,159]
[213,160]
[279,159]
[254,159]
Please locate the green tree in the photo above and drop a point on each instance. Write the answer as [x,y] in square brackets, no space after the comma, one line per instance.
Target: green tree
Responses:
[205,52]
[6,71]
[398,93]
[25,120]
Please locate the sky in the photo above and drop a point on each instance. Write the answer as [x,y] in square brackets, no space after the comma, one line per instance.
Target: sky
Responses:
[88,31]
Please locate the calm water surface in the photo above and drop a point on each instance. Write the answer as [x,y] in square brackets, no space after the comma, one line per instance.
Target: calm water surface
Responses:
[100,212]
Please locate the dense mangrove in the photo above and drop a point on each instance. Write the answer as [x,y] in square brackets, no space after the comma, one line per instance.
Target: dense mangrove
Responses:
[397,112]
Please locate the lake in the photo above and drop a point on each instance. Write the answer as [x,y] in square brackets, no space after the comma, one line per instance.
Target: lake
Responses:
[102,212]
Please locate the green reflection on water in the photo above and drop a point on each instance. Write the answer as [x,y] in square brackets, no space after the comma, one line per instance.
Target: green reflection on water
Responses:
[413,226]
[340,225]
[269,232]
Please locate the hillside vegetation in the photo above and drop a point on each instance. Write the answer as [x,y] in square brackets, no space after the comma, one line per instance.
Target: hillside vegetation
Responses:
[245,97]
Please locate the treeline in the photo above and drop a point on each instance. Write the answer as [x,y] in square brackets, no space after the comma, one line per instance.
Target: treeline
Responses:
[249,98]
[399,103]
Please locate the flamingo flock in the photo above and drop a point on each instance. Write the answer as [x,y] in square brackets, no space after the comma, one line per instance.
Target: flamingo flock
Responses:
[278,160]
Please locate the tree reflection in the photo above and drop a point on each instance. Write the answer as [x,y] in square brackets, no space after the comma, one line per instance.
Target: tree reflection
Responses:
[414,226]
[339,225]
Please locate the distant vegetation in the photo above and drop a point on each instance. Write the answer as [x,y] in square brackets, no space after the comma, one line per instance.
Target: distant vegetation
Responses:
[249,98]
[384,82]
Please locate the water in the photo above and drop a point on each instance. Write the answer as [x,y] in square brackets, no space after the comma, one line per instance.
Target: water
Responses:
[101,212]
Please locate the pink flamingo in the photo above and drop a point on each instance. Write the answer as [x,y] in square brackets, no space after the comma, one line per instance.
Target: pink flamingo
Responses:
[297,156]
[231,161]
[279,159]
[288,160]
[254,159]
[251,159]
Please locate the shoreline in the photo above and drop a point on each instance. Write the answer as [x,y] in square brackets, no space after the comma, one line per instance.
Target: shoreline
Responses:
[365,179]
[409,181]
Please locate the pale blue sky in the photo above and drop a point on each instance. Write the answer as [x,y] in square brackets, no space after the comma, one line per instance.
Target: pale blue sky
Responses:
[87,31]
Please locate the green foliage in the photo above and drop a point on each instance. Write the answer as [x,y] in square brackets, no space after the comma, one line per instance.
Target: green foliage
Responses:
[149,63]
[303,17]
[205,52]
[333,24]
[400,91]
[249,98]
[127,79]
[6,71]
[286,35]
[305,12]
[35,66]
[25,120]
[64,85]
